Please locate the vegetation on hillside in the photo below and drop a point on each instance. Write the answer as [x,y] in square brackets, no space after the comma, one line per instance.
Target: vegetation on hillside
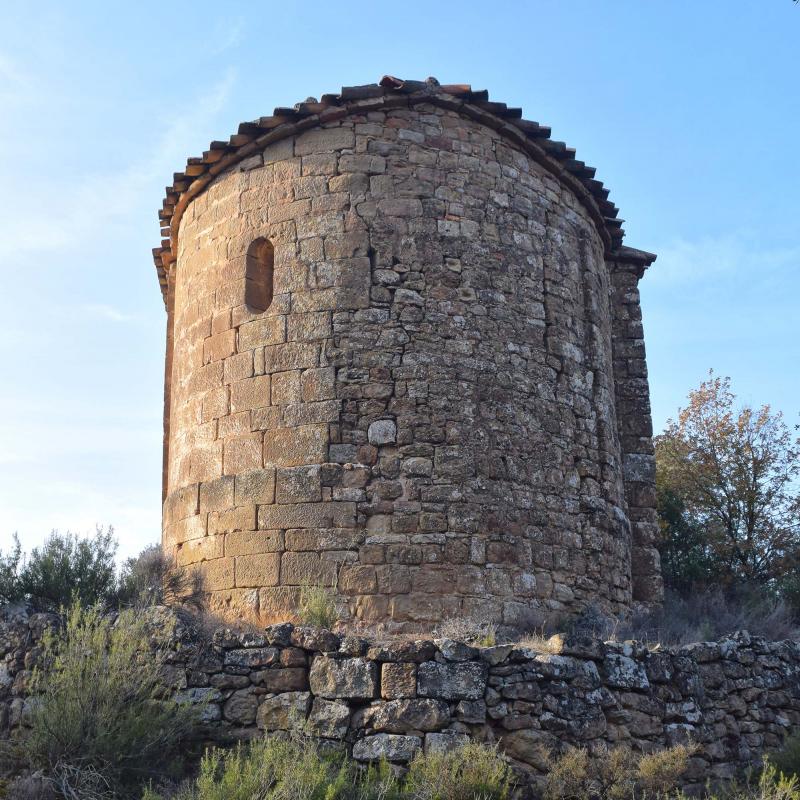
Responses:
[297,768]
[99,724]
[70,568]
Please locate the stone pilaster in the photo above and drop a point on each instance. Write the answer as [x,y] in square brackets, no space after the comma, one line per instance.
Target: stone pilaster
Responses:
[635,425]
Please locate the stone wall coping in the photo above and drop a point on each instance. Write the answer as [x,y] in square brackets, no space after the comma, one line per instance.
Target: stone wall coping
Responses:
[735,698]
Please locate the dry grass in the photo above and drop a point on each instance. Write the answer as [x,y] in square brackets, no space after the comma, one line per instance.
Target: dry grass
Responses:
[317,606]
[616,774]
[476,631]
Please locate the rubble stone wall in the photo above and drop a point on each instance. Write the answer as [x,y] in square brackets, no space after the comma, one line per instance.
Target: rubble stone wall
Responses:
[735,698]
[425,416]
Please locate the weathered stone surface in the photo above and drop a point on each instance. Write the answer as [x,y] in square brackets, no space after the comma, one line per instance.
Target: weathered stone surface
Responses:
[497,654]
[328,719]
[388,746]
[465,681]
[404,716]
[455,651]
[399,651]
[576,644]
[444,742]
[624,672]
[530,747]
[353,678]
[252,657]
[284,711]
[398,680]
[241,707]
[312,638]
[383,431]
[282,679]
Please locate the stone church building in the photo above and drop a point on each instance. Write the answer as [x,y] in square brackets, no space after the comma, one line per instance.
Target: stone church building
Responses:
[405,361]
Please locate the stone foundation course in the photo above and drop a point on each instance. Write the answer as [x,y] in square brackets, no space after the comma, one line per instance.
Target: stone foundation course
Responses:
[736,698]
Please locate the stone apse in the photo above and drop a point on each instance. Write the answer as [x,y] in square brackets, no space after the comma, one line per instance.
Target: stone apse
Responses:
[405,361]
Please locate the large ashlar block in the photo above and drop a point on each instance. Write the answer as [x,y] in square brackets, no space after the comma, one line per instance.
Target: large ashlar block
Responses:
[291,447]
[257,569]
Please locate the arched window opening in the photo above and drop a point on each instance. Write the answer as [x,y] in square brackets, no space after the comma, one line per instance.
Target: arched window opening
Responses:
[259,275]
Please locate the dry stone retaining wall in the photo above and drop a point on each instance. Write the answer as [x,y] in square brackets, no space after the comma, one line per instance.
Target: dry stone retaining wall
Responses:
[426,415]
[735,698]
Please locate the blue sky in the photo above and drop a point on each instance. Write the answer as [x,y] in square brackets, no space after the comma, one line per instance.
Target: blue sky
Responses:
[689,111]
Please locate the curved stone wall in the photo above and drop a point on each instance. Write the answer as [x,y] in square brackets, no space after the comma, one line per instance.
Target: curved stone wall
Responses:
[424,417]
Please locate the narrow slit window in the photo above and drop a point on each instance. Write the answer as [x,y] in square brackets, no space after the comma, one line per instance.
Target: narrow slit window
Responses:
[259,275]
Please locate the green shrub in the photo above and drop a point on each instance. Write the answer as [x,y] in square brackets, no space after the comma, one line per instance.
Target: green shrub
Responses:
[616,774]
[770,784]
[70,568]
[316,606]
[787,759]
[98,725]
[149,579]
[65,568]
[471,772]
[274,768]
[295,768]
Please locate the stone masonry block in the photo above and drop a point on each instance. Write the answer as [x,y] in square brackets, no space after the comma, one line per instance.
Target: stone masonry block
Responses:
[398,680]
[300,569]
[321,140]
[181,503]
[255,486]
[286,387]
[242,453]
[269,330]
[291,447]
[217,495]
[238,518]
[262,569]
[298,484]
[307,515]
[218,574]
[199,550]
[240,543]
[250,393]
[346,678]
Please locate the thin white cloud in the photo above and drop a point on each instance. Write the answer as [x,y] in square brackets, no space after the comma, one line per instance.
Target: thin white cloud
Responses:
[103,311]
[71,215]
[228,34]
[720,258]
[79,507]
[16,85]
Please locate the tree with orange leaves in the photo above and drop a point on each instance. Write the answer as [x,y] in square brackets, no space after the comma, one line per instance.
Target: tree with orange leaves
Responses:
[734,477]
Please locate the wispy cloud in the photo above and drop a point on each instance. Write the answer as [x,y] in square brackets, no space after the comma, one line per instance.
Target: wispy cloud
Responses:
[228,34]
[725,258]
[70,214]
[15,83]
[104,311]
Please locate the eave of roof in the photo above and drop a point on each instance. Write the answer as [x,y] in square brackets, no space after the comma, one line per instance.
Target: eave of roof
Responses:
[389,93]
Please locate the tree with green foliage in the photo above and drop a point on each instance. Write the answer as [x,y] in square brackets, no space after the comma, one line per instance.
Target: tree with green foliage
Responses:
[70,568]
[729,499]
[65,568]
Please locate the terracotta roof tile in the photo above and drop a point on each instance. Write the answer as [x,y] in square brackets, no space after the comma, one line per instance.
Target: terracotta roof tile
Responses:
[251,136]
